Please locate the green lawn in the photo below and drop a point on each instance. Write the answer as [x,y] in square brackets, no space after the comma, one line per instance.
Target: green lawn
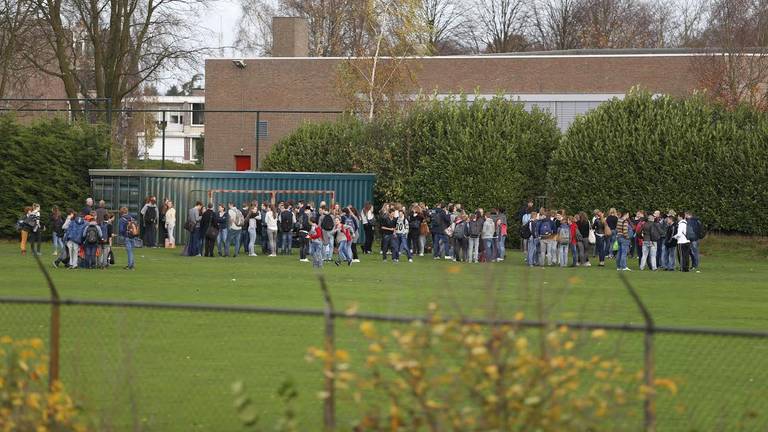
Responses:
[172,370]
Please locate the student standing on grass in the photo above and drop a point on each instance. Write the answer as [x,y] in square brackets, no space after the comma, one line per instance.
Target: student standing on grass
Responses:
[271,222]
[193,226]
[129,230]
[402,229]
[74,238]
[415,218]
[305,226]
[170,223]
[106,240]
[91,236]
[57,232]
[563,240]
[547,239]
[501,234]
[488,237]
[651,236]
[693,234]
[222,221]
[388,238]
[623,237]
[63,256]
[253,222]
[683,243]
[368,220]
[530,233]
[315,238]
[670,242]
[582,239]
[600,228]
[149,215]
[235,228]
[611,221]
[287,221]
[210,230]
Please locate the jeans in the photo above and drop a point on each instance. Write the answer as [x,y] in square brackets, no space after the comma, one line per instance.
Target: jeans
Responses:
[252,241]
[221,242]
[489,253]
[272,236]
[264,240]
[533,245]
[303,248]
[234,236]
[460,248]
[194,242]
[345,251]
[621,258]
[548,249]
[90,255]
[245,239]
[74,250]
[562,252]
[600,247]
[649,250]
[171,237]
[386,244]
[660,253]
[103,261]
[129,252]
[422,244]
[58,243]
[685,256]
[669,260]
[328,245]
[287,239]
[474,246]
[574,250]
[501,247]
[609,246]
[368,230]
[582,248]
[440,245]
[316,250]
[695,254]
[402,240]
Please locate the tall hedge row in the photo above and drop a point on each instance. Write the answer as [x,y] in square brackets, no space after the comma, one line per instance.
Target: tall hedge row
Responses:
[486,153]
[45,162]
[667,153]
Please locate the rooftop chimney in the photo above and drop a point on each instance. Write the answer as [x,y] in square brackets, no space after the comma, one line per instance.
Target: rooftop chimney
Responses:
[290,37]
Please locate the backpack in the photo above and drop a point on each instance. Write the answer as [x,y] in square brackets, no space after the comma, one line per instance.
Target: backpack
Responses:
[327,223]
[525,231]
[564,234]
[150,216]
[92,235]
[239,219]
[690,231]
[132,229]
[545,228]
[475,228]
[285,221]
[459,230]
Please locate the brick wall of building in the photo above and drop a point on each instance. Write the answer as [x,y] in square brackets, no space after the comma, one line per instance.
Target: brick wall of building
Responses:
[310,83]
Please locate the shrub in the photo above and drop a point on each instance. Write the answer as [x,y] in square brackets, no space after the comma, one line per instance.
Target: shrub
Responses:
[664,152]
[486,153]
[26,402]
[46,162]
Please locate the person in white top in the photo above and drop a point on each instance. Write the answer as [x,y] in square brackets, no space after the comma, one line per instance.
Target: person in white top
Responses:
[367,219]
[170,223]
[683,244]
[235,228]
[270,219]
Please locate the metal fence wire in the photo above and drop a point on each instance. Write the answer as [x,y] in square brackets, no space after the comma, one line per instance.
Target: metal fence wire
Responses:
[163,366]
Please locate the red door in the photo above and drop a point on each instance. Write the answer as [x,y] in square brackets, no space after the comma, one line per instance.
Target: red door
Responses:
[242,163]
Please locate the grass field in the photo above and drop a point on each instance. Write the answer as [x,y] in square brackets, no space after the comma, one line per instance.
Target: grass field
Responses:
[172,370]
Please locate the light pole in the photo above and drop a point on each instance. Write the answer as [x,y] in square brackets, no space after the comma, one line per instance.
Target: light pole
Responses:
[162,124]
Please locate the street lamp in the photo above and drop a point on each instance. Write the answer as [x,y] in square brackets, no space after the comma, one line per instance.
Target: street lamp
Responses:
[162,124]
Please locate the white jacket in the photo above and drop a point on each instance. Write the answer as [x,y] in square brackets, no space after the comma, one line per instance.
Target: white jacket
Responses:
[271,221]
[682,226]
[170,217]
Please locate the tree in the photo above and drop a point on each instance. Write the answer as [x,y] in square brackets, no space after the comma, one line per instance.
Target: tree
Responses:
[736,70]
[109,48]
[623,24]
[441,21]
[15,32]
[555,24]
[502,25]
[174,91]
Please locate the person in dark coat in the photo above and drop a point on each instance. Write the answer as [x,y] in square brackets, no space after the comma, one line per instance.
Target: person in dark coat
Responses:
[208,221]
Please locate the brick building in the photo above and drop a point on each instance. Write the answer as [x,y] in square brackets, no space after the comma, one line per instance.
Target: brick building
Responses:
[566,83]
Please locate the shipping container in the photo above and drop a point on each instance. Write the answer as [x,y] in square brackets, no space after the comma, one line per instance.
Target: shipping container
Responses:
[130,188]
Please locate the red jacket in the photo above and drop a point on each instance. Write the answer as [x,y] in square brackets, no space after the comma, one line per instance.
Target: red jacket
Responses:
[574,228]
[317,234]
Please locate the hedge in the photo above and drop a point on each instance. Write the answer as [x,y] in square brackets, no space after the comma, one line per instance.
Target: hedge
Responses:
[489,153]
[46,162]
[647,152]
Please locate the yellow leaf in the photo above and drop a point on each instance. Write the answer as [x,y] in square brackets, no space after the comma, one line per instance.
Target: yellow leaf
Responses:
[521,344]
[352,309]
[36,343]
[519,316]
[368,329]
[666,383]
[342,355]
[6,340]
[599,333]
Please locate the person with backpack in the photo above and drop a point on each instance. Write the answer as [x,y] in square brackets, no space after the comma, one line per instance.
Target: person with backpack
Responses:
[459,238]
[129,230]
[287,221]
[475,230]
[326,224]
[92,235]
[63,256]
[564,241]
[105,242]
[547,232]
[670,242]
[149,214]
[439,222]
[683,243]
[235,228]
[623,233]
[56,222]
[694,233]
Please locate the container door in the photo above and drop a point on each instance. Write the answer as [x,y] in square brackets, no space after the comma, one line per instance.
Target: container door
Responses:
[242,163]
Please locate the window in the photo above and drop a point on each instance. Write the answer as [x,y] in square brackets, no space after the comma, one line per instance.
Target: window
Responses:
[262,128]
[198,114]
[194,145]
[177,119]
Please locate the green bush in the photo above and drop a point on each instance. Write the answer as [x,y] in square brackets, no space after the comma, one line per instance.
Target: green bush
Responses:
[486,153]
[46,162]
[663,152]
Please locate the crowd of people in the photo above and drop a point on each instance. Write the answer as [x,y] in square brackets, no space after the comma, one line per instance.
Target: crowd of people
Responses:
[332,234]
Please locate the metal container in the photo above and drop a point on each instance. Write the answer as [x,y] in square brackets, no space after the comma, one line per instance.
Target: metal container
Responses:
[130,188]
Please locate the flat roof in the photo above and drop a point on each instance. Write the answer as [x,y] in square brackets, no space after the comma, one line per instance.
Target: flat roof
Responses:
[219,174]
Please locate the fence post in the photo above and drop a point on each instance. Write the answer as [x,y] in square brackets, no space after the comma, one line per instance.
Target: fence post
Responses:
[649,361]
[329,368]
[53,375]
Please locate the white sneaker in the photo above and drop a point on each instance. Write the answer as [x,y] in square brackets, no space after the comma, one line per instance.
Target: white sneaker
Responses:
[355,260]
[410,259]
[588,264]
[627,269]
[253,254]
[304,260]
[421,254]
[273,255]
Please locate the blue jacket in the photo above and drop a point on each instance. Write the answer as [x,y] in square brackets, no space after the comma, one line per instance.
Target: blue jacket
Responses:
[544,226]
[75,230]
[123,224]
